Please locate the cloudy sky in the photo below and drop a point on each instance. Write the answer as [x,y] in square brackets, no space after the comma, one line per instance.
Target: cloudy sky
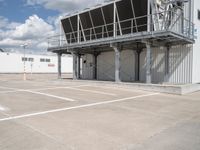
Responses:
[32,21]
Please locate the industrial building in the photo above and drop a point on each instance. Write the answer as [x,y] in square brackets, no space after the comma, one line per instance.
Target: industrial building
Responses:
[148,41]
[33,63]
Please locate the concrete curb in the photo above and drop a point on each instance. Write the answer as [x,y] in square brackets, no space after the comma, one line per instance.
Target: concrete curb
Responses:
[162,88]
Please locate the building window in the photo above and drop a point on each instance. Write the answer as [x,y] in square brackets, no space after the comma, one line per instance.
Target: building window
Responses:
[42,60]
[24,58]
[27,59]
[31,59]
[45,60]
[199,14]
[48,60]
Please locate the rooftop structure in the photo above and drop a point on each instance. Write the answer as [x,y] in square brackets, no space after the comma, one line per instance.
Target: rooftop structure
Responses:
[119,25]
[126,21]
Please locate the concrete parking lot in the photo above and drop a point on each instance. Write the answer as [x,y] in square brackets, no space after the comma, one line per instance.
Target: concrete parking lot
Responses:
[44,113]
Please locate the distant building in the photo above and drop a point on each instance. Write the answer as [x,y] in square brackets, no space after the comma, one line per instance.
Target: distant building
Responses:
[150,41]
[14,63]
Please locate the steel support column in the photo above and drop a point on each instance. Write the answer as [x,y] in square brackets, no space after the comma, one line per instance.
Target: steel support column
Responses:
[78,66]
[148,62]
[75,74]
[59,65]
[95,65]
[117,50]
[167,64]
[137,65]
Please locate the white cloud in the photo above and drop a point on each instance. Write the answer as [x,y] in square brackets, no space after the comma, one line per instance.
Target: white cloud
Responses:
[33,31]
[63,5]
[33,28]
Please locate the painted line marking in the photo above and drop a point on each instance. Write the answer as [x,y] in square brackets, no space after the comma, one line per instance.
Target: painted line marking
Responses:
[50,95]
[91,91]
[61,87]
[119,88]
[75,107]
[15,90]
[39,93]
[54,88]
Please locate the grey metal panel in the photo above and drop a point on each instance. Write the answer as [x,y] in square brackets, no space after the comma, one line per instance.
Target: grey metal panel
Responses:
[127,65]
[106,66]
[180,68]
[87,67]
[180,65]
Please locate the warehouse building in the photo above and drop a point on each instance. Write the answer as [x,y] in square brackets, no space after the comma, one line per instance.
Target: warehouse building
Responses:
[148,41]
[32,63]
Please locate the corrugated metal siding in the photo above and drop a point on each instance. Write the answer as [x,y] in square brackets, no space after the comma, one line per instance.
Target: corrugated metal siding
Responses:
[158,65]
[127,65]
[87,66]
[180,65]
[106,66]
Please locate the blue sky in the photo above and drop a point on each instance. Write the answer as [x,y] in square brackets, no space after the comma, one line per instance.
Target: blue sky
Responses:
[18,10]
[32,21]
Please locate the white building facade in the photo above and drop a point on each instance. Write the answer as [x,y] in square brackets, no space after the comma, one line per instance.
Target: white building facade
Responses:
[14,63]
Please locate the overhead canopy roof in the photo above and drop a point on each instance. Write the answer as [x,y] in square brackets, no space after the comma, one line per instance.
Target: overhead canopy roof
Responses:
[98,22]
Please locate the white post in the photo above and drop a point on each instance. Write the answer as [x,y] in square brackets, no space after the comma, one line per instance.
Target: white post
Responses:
[24,74]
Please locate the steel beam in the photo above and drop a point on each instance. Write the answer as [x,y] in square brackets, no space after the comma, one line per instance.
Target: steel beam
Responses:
[95,55]
[114,20]
[137,64]
[117,50]
[167,64]
[148,62]
[78,29]
[148,15]
[75,74]
[78,66]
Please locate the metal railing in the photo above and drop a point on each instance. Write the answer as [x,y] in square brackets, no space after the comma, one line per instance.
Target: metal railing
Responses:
[162,21]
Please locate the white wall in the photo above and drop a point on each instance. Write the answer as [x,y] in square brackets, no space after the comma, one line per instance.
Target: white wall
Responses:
[12,63]
[196,47]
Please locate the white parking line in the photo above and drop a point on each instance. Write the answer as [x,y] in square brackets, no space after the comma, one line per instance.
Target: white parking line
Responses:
[118,88]
[75,107]
[49,95]
[91,91]
[14,90]
[39,93]
[60,87]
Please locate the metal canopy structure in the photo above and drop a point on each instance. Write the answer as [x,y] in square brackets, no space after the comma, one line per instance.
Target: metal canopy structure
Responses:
[119,24]
[124,21]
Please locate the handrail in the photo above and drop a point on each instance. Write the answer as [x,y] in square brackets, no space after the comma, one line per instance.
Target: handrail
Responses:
[178,25]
